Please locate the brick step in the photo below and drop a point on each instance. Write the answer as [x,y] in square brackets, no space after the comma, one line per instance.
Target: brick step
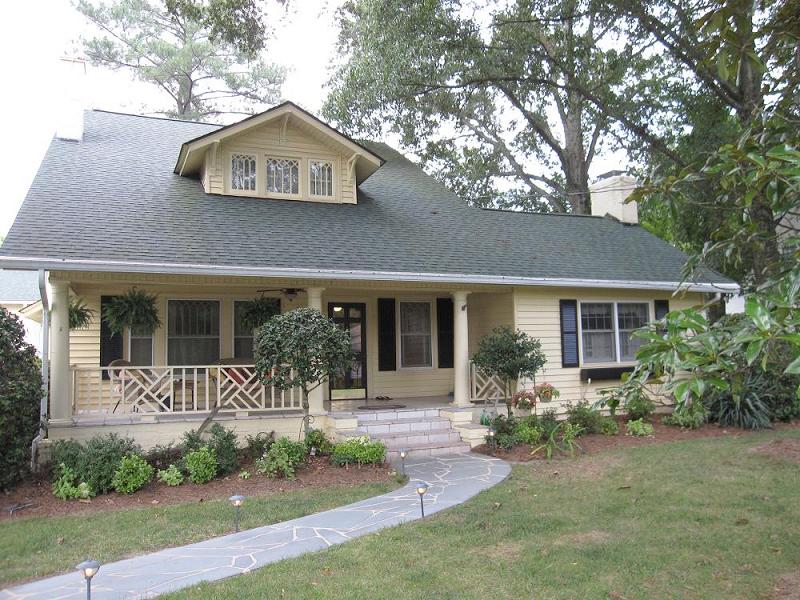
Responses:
[403,425]
[406,440]
[396,415]
[428,449]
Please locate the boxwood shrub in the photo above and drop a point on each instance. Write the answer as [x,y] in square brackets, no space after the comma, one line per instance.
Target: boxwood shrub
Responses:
[359,450]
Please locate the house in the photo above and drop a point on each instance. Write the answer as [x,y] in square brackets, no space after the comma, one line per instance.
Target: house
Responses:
[284,206]
[19,293]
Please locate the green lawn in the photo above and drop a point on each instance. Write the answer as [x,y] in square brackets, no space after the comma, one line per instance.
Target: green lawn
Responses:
[32,548]
[701,519]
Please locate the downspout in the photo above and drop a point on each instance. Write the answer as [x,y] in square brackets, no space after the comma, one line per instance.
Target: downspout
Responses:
[45,370]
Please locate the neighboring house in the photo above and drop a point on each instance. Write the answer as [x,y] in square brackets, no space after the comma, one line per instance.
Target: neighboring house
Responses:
[283,205]
[19,293]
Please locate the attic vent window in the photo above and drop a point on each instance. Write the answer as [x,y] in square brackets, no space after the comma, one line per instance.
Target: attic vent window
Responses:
[243,172]
[283,176]
[320,178]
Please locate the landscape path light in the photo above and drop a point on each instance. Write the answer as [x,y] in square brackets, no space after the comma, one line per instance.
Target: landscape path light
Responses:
[422,487]
[237,501]
[403,454]
[88,569]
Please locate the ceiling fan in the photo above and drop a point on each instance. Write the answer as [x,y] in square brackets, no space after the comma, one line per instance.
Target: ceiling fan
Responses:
[289,293]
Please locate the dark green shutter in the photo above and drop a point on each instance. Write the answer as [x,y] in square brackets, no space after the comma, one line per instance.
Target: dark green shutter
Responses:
[387,340]
[110,345]
[444,332]
[568,310]
[662,308]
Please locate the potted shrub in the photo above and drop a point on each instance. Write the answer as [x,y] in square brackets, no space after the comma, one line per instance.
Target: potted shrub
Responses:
[545,392]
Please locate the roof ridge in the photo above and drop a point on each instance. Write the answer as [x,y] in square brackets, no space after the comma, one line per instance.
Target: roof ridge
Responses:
[125,114]
[543,214]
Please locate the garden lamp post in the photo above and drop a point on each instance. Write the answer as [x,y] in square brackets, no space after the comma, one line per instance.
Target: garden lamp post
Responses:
[422,487]
[237,505]
[403,454]
[491,439]
[89,569]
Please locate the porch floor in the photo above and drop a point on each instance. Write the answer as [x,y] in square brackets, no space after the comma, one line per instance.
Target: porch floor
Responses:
[416,403]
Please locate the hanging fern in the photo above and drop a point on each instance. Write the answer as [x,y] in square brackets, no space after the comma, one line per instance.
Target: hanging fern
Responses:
[80,315]
[258,311]
[134,309]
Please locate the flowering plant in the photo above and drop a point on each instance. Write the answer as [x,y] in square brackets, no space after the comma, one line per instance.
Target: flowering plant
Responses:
[524,400]
[545,392]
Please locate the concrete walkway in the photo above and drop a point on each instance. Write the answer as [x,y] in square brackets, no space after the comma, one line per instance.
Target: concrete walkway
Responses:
[452,480]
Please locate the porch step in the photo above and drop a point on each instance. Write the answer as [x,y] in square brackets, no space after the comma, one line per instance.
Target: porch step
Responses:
[428,449]
[411,439]
[389,426]
[400,414]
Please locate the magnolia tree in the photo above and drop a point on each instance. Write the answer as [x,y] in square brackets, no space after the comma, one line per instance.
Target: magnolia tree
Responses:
[510,356]
[301,348]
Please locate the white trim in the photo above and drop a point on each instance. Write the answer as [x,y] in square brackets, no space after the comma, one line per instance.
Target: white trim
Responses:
[229,174]
[432,334]
[334,163]
[92,265]
[267,156]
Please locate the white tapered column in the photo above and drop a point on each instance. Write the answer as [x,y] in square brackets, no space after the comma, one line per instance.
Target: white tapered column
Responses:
[316,397]
[460,349]
[60,380]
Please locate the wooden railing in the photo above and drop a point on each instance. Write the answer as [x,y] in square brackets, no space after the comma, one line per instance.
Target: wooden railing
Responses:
[176,389]
[483,387]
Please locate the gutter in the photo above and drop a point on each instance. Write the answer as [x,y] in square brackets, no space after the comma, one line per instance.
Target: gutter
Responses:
[45,371]
[19,262]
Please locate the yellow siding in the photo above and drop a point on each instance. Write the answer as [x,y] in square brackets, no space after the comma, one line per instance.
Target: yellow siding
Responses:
[487,311]
[537,313]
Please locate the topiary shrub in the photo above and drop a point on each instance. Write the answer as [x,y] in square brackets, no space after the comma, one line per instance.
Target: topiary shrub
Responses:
[359,450]
[202,465]
[282,459]
[223,443]
[20,396]
[97,461]
[132,474]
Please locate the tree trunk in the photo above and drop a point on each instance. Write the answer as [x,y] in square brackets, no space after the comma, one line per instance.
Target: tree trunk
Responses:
[573,162]
[306,416]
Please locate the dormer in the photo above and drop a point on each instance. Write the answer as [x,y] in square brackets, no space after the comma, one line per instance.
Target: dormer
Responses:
[284,153]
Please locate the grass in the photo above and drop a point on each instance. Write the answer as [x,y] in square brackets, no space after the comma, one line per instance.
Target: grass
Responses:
[32,548]
[689,520]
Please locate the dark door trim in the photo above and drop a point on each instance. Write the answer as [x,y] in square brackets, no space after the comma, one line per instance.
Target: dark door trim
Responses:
[346,320]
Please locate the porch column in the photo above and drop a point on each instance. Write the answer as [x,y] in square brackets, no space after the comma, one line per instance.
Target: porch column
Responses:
[316,397]
[60,380]
[460,349]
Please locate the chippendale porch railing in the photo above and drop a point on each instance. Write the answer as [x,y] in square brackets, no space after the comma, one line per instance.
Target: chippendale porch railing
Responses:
[483,387]
[177,390]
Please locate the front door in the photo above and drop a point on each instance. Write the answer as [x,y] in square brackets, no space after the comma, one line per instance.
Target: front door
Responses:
[351,317]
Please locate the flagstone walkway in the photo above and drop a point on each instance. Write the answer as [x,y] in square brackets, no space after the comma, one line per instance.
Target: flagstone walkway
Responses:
[452,480]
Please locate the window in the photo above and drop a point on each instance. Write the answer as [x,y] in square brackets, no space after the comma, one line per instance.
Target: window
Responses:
[415,334]
[283,176]
[320,174]
[243,172]
[192,332]
[606,329]
[141,348]
[242,337]
[630,317]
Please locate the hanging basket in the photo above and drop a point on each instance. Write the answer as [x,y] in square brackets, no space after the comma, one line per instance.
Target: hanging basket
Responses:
[258,311]
[134,309]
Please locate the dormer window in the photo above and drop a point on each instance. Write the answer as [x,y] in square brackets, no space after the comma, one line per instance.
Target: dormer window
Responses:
[283,176]
[243,172]
[320,175]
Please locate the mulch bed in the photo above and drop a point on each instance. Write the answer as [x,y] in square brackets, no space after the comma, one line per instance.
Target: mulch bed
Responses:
[596,442]
[318,473]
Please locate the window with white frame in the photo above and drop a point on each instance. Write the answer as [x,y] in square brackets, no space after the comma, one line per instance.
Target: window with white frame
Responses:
[192,332]
[415,334]
[242,336]
[243,172]
[320,178]
[140,351]
[283,176]
[607,327]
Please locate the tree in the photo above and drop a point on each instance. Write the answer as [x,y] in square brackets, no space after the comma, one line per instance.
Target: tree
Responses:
[491,103]
[20,394]
[510,356]
[301,348]
[186,53]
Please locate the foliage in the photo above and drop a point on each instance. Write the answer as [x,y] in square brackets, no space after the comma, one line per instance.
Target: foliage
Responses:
[609,426]
[584,416]
[546,392]
[256,445]
[223,443]
[639,405]
[132,474]
[504,431]
[561,438]
[244,475]
[20,396]
[65,487]
[301,348]
[201,465]
[80,315]
[527,433]
[185,53]
[525,400]
[509,355]
[639,428]
[360,451]
[548,421]
[192,440]
[135,309]
[282,458]
[162,456]
[686,419]
[171,476]
[258,311]
[97,461]
[317,439]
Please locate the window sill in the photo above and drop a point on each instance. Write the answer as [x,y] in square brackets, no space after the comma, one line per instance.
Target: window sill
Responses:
[605,373]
